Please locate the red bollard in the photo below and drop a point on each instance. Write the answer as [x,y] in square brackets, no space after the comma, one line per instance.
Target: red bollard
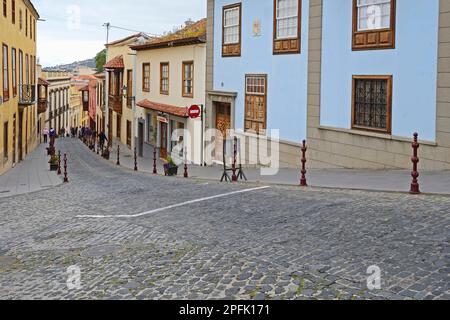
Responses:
[234,178]
[135,160]
[118,155]
[415,187]
[155,171]
[59,162]
[186,175]
[303,182]
[66,178]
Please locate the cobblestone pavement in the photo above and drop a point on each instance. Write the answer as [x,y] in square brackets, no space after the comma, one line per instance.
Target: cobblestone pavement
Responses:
[275,243]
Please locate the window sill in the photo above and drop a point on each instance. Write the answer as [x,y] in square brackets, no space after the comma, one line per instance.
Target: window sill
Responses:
[385,136]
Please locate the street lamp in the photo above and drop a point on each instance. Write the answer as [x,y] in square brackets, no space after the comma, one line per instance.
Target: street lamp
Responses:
[126,96]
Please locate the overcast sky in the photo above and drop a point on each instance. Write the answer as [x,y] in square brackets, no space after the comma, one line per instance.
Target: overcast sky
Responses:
[73,29]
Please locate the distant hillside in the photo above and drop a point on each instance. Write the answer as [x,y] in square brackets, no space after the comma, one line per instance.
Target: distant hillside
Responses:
[71,66]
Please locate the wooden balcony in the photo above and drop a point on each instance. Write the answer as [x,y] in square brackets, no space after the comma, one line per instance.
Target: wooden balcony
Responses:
[27,95]
[115,103]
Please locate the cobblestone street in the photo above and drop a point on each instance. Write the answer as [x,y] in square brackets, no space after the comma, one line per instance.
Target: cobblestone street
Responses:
[272,243]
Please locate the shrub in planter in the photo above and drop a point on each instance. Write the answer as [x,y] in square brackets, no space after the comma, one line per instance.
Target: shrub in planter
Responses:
[170,168]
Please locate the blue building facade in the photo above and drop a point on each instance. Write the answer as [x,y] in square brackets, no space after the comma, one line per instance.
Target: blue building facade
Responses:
[271,52]
[362,78]
[411,62]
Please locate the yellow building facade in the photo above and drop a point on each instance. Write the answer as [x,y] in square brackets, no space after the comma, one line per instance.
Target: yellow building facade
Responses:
[119,75]
[18,97]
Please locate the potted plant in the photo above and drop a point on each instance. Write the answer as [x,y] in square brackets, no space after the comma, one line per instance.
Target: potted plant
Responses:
[170,168]
[54,160]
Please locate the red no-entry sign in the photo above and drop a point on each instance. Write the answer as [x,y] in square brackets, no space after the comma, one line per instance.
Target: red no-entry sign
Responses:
[194,112]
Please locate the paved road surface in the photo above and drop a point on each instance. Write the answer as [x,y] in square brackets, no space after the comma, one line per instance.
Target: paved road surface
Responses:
[273,243]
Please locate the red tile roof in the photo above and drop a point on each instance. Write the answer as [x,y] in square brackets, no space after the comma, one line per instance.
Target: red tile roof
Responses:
[115,63]
[43,82]
[173,110]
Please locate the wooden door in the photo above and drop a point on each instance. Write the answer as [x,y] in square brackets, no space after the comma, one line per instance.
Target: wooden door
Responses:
[129,133]
[163,141]
[110,127]
[118,126]
[255,103]
[141,139]
[14,139]
[20,140]
[223,124]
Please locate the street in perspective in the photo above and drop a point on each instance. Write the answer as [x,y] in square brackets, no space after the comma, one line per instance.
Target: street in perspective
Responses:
[254,151]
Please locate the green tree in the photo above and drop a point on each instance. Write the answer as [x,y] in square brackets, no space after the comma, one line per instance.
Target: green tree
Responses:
[100,60]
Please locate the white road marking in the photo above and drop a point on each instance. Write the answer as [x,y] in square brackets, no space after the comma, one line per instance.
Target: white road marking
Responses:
[175,205]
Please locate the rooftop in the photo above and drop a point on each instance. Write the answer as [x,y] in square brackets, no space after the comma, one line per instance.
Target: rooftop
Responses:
[190,34]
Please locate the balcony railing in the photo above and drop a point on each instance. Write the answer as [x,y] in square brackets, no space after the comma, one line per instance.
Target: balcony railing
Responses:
[27,94]
[115,103]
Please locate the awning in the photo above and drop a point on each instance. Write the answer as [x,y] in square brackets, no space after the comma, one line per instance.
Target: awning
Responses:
[116,63]
[43,82]
[164,108]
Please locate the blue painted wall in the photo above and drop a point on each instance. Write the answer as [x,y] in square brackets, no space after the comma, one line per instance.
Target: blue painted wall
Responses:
[413,64]
[286,74]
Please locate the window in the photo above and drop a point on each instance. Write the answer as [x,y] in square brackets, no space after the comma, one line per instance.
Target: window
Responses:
[13,11]
[129,87]
[5,69]
[374,24]
[188,79]
[5,8]
[26,22]
[287,26]
[20,67]
[27,69]
[14,70]
[32,72]
[146,77]
[372,103]
[231,33]
[164,78]
[5,142]
[255,103]
[20,20]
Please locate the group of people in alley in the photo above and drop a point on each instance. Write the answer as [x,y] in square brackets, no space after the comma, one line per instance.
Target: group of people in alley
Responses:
[86,134]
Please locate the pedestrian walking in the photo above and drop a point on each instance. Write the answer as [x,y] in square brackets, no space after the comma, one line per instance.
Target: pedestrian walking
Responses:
[102,138]
[45,134]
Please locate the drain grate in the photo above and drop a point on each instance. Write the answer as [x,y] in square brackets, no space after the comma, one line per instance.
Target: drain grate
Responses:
[5,191]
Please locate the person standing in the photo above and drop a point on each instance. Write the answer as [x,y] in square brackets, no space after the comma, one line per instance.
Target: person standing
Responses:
[45,133]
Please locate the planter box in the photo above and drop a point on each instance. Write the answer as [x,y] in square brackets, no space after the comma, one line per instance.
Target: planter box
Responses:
[170,171]
[53,167]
